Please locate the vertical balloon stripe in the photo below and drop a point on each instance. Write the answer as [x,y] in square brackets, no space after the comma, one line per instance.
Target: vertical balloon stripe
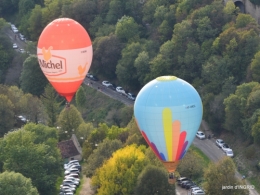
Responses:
[167,127]
[183,151]
[180,146]
[162,157]
[152,145]
[176,130]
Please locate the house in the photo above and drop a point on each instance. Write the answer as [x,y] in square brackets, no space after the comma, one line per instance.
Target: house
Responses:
[70,149]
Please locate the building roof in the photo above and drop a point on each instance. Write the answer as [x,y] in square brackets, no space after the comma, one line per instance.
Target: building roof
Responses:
[68,149]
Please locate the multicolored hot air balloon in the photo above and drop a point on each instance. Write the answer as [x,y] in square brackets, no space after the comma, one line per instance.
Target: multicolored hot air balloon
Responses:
[65,53]
[168,112]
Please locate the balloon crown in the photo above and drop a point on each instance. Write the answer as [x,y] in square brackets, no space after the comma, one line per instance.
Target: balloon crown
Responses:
[166,78]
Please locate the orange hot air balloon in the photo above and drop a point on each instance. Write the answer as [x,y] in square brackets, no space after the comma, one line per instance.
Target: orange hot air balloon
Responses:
[65,53]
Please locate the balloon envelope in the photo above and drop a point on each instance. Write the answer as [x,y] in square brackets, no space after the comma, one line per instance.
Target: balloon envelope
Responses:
[168,112]
[65,53]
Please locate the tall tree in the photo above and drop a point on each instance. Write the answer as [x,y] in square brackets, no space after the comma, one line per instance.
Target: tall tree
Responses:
[81,98]
[51,104]
[107,52]
[191,165]
[119,174]
[32,78]
[28,152]
[127,29]
[222,173]
[7,119]
[103,152]
[68,121]
[125,70]
[16,183]
[154,180]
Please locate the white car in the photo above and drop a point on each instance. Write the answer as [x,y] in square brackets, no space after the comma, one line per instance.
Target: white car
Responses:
[22,50]
[198,192]
[73,170]
[120,90]
[200,135]
[131,96]
[15,46]
[219,142]
[225,147]
[106,83]
[229,153]
[70,162]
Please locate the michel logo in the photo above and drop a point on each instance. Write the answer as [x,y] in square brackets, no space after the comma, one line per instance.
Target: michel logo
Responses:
[51,65]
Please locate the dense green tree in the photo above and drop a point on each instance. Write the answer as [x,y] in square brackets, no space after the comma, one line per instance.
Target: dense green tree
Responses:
[141,64]
[127,29]
[118,175]
[191,165]
[256,131]
[32,108]
[116,11]
[84,12]
[32,78]
[243,20]
[51,104]
[35,23]
[103,152]
[154,180]
[34,154]
[107,52]
[16,183]
[222,173]
[83,131]
[25,6]
[6,115]
[255,67]
[125,70]
[81,98]
[69,120]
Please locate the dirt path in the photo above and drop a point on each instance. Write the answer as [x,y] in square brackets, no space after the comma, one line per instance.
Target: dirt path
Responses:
[86,189]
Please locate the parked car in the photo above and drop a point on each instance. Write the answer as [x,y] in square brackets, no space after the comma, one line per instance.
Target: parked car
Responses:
[69,171]
[183,183]
[225,147]
[76,166]
[75,175]
[67,188]
[120,90]
[219,142]
[22,50]
[22,118]
[106,83]
[229,153]
[93,78]
[131,96]
[112,86]
[198,192]
[21,37]
[71,165]
[70,181]
[180,179]
[70,162]
[189,185]
[200,135]
[15,46]
[195,188]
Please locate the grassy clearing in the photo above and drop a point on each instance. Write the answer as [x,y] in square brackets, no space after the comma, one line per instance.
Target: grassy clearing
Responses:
[205,158]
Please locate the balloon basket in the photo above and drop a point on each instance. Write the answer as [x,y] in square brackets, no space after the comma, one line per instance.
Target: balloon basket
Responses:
[172,178]
[67,105]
